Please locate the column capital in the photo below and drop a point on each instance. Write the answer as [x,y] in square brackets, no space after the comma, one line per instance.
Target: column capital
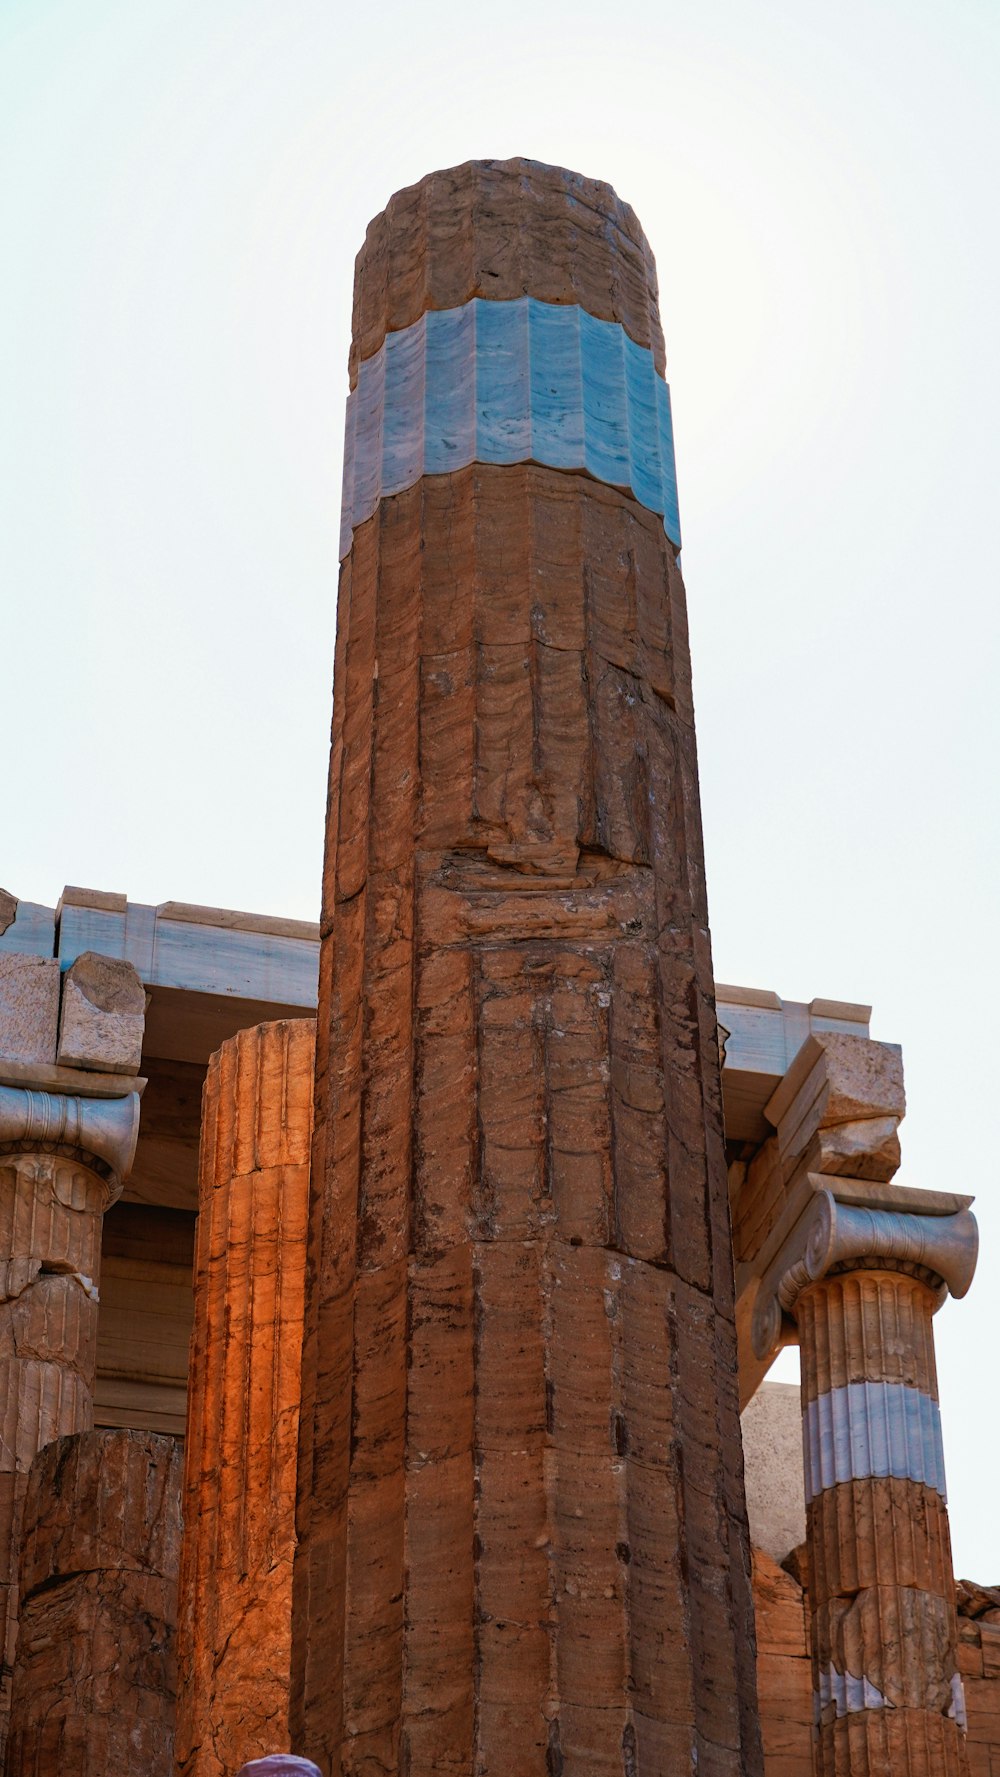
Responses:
[98,1132]
[854,1229]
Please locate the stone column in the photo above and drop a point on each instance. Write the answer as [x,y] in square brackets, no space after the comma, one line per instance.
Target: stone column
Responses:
[62,1163]
[243,1401]
[523,1541]
[94,1678]
[862,1283]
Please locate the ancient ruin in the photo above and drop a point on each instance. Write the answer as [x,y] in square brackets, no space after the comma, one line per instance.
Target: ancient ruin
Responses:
[429,1257]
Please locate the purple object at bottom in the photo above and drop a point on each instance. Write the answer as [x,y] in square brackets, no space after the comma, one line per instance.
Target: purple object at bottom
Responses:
[280,1764]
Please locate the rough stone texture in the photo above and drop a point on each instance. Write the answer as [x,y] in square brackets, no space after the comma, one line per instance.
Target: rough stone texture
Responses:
[8,909]
[784,1680]
[504,229]
[523,1539]
[772,1455]
[94,1681]
[880,1581]
[243,1400]
[103,1015]
[979,1664]
[784,1670]
[51,1214]
[29,1008]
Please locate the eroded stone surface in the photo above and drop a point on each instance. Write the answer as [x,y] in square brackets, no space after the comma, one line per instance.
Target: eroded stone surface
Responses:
[235,1612]
[103,1015]
[500,230]
[95,1679]
[51,1212]
[522,1529]
[29,1008]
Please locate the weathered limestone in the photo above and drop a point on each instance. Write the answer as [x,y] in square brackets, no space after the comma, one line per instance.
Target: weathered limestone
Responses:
[63,1160]
[95,1678]
[103,1015]
[62,1163]
[861,1274]
[784,1670]
[29,1008]
[243,1401]
[523,1539]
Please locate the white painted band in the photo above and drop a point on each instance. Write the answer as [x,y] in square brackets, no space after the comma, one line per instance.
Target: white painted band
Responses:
[847,1693]
[509,382]
[871,1429]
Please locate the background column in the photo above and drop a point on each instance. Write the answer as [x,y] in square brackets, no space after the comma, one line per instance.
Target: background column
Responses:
[239,1482]
[523,1540]
[862,1284]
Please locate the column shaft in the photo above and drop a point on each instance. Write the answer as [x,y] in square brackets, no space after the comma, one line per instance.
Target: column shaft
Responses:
[881,1588]
[95,1676]
[523,1538]
[51,1215]
[239,1485]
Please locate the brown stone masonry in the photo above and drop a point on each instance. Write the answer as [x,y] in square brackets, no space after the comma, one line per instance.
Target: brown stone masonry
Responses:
[523,1541]
[95,1675]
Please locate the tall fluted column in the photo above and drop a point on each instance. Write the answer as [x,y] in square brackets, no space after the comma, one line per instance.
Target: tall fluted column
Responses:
[862,1285]
[62,1163]
[523,1541]
[243,1401]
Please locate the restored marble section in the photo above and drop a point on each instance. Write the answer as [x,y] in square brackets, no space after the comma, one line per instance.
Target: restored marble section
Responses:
[508,382]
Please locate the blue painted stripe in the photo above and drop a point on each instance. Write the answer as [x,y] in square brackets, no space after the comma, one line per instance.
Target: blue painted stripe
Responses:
[509,382]
[871,1429]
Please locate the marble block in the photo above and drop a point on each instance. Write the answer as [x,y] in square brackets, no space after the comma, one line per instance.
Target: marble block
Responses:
[29,1008]
[103,1015]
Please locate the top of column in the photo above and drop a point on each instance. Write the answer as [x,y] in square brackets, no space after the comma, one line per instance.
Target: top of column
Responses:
[500,230]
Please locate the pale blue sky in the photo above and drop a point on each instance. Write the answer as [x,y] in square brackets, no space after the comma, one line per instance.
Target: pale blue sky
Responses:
[183,188]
